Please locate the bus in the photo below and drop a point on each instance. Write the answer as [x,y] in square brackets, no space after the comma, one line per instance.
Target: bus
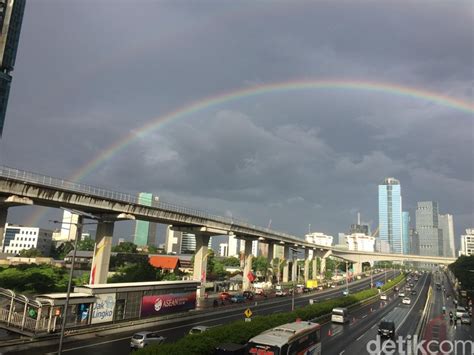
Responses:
[292,338]
[340,315]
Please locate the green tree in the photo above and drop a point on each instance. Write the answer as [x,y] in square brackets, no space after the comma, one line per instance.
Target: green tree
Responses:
[30,253]
[261,264]
[152,249]
[463,269]
[125,247]
[86,244]
[141,271]
[231,261]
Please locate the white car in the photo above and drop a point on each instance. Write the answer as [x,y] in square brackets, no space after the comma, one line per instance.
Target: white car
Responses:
[460,311]
[383,297]
[401,294]
[406,300]
[142,339]
[198,329]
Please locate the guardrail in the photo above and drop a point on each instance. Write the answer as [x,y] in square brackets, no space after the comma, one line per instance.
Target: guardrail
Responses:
[49,181]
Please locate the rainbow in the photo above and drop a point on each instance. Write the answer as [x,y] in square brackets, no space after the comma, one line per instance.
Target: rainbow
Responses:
[257,90]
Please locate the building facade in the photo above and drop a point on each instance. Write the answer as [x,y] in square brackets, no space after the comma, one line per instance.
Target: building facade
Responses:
[319,239]
[145,232]
[18,238]
[430,236]
[11,18]
[390,216]
[360,242]
[446,225]
[414,242]
[467,243]
[406,232]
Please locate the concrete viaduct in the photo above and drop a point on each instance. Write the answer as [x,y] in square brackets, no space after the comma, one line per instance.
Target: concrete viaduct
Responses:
[25,188]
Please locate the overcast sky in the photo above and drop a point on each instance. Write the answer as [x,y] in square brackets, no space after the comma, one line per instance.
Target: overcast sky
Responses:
[90,72]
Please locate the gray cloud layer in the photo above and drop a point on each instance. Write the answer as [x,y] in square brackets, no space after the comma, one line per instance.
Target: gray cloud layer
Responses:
[88,73]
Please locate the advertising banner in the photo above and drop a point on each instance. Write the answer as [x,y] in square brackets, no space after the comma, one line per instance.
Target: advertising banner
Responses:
[103,310]
[167,303]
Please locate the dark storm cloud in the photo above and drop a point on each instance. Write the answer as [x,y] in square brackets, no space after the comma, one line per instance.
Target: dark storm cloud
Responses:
[89,73]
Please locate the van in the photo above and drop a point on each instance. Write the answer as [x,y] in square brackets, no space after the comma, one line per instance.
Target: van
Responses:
[339,315]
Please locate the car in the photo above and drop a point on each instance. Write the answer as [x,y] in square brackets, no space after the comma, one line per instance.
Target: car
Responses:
[460,311]
[281,293]
[383,296]
[401,294]
[466,319]
[412,285]
[198,329]
[248,295]
[413,292]
[345,292]
[306,289]
[406,300]
[259,291]
[396,288]
[238,298]
[225,296]
[320,288]
[387,329]
[141,339]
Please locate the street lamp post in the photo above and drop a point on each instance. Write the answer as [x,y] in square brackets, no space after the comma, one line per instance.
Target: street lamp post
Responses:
[295,251]
[79,225]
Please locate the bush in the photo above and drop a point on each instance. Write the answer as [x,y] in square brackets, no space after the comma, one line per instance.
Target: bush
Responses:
[240,332]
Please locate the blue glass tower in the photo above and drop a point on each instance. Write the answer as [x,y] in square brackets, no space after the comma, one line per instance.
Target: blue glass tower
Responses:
[406,232]
[390,216]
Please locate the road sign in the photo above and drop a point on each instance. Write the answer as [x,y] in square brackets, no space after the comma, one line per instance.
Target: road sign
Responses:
[379,284]
[248,313]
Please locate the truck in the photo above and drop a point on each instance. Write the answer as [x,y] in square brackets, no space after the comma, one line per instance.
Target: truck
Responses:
[312,284]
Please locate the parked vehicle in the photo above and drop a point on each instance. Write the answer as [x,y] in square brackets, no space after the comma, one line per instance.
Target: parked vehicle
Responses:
[460,311]
[225,296]
[387,329]
[466,319]
[141,339]
[248,295]
[239,298]
[198,329]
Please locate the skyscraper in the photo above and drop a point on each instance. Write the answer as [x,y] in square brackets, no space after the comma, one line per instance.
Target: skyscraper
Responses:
[431,237]
[11,17]
[447,226]
[406,232]
[390,216]
[145,232]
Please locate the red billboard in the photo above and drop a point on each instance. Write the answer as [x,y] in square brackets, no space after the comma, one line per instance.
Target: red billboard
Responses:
[168,303]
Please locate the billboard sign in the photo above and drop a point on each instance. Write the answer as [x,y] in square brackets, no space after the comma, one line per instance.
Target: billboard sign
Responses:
[168,303]
[103,310]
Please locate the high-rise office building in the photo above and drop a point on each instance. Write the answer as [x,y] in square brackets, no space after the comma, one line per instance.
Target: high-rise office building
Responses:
[467,243]
[11,17]
[406,232]
[233,246]
[446,224]
[181,243]
[145,232]
[431,237]
[390,216]
[68,231]
[18,238]
[414,242]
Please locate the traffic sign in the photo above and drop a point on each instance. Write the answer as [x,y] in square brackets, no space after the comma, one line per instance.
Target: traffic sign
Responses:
[248,313]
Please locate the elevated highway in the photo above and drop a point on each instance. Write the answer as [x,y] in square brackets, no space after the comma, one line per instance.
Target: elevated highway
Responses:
[19,187]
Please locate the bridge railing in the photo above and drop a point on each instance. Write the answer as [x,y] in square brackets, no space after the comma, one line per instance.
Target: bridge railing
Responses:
[49,181]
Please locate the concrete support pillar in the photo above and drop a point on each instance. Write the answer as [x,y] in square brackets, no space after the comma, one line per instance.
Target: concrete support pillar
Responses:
[315,267]
[357,268]
[306,265]
[286,268]
[3,220]
[294,270]
[246,284]
[102,250]
[322,267]
[200,261]
[270,253]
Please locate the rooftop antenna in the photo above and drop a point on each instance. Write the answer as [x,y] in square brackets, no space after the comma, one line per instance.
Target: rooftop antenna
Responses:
[309,228]
[358,218]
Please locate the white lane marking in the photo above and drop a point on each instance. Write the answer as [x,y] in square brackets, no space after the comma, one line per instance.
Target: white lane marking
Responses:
[414,303]
[372,327]
[365,315]
[342,352]
[359,338]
